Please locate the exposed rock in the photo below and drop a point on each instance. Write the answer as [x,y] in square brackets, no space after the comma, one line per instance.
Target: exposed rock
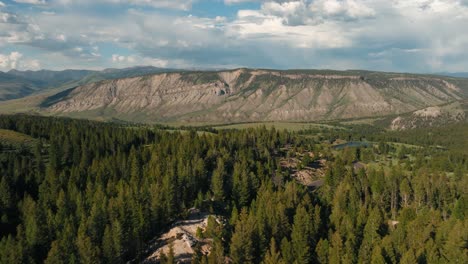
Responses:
[254,95]
[432,116]
[182,237]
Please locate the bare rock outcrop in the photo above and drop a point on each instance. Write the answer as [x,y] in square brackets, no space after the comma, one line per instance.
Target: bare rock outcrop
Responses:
[255,95]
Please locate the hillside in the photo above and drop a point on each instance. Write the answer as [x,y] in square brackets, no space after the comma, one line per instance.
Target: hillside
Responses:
[12,87]
[245,95]
[432,116]
[16,84]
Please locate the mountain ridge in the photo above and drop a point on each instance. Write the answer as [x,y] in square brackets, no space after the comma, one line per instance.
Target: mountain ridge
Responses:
[256,95]
[16,84]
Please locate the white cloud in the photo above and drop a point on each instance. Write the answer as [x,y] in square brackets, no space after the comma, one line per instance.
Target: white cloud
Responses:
[232,2]
[134,60]
[118,58]
[61,37]
[344,9]
[31,65]
[251,25]
[416,35]
[292,23]
[10,61]
[176,4]
[32,2]
[2,4]
[15,60]
[8,18]
[170,4]
[307,12]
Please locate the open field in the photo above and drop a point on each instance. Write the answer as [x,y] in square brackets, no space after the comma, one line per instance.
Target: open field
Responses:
[291,126]
[14,138]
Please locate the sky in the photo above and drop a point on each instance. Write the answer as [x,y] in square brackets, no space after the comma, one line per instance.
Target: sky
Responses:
[421,36]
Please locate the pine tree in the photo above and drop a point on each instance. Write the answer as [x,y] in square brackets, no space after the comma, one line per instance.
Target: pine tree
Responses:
[336,248]
[241,247]
[408,257]
[405,191]
[301,236]
[287,251]
[216,255]
[272,256]
[371,235]
[377,257]
[55,255]
[321,250]
[108,246]
[217,181]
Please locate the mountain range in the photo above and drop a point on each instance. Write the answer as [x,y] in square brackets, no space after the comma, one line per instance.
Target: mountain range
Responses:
[148,94]
[16,84]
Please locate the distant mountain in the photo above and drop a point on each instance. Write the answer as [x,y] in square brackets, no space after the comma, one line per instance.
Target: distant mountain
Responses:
[109,74]
[245,95]
[45,78]
[454,74]
[16,84]
[12,87]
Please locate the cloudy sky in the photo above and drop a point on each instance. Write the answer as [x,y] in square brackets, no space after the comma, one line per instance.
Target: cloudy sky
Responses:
[389,35]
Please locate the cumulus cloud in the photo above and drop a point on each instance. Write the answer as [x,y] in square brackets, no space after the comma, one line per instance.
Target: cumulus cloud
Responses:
[8,18]
[342,9]
[231,2]
[407,35]
[176,4]
[170,4]
[15,60]
[32,2]
[353,29]
[10,61]
[132,60]
[308,12]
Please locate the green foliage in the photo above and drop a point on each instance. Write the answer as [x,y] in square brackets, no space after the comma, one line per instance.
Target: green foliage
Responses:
[90,192]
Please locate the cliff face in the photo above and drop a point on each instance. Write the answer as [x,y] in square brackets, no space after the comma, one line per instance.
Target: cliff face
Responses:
[256,95]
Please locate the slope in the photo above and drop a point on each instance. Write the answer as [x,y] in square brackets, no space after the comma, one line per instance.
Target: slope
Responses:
[245,95]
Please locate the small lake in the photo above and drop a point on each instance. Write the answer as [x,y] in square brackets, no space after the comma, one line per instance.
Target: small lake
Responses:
[352,144]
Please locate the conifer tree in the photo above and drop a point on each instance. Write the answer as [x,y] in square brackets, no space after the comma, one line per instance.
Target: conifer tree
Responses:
[301,236]
[272,256]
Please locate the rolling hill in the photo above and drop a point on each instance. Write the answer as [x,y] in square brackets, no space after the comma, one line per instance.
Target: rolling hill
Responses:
[16,84]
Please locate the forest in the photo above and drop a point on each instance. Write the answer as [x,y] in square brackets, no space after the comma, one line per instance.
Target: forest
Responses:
[92,192]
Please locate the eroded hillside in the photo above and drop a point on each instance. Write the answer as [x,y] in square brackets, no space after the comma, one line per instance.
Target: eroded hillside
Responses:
[256,95]
[432,116]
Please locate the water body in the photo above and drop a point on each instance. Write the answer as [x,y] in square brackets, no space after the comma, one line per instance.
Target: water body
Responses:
[352,144]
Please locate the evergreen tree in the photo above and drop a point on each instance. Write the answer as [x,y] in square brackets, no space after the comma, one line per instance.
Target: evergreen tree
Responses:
[272,256]
[217,181]
[301,236]
[241,246]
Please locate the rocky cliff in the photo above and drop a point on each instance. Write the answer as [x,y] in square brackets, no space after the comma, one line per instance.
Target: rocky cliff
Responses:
[256,95]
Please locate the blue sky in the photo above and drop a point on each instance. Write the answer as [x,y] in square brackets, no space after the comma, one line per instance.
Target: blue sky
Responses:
[388,35]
